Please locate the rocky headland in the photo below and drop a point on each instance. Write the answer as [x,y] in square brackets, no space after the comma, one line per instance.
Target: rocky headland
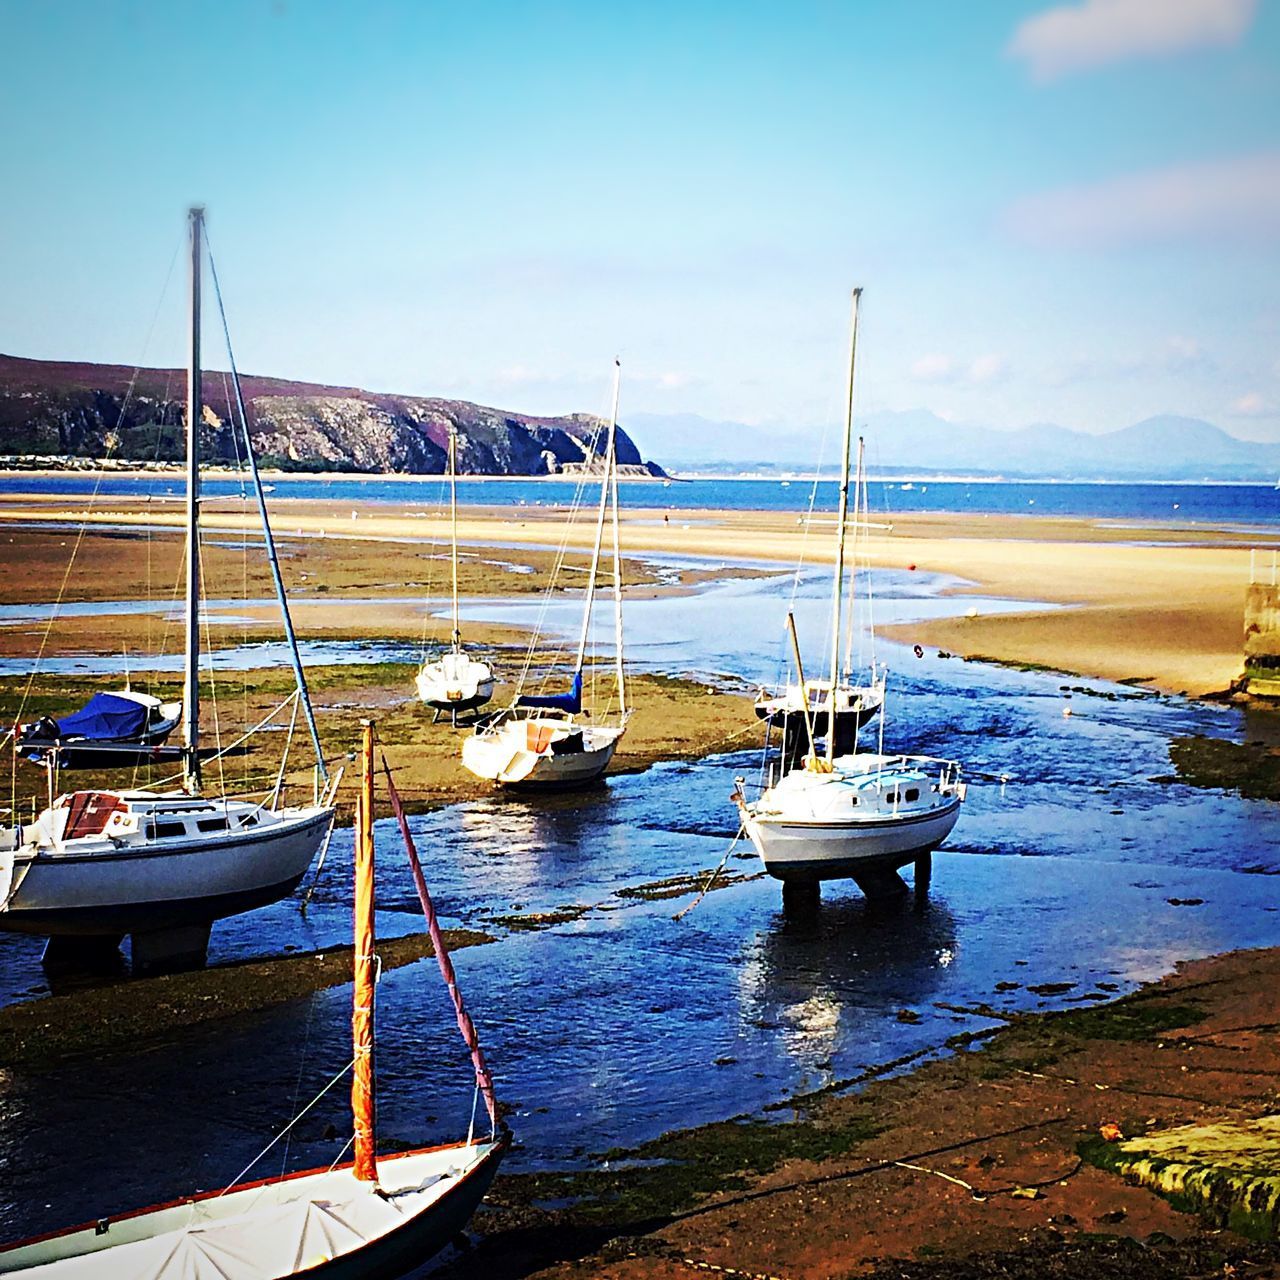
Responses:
[53,413]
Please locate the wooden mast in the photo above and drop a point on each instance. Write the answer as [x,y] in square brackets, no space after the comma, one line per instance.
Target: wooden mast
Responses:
[837,591]
[195,413]
[363,1102]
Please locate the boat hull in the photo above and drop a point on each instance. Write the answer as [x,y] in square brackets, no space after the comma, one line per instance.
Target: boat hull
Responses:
[506,756]
[148,887]
[430,1197]
[810,851]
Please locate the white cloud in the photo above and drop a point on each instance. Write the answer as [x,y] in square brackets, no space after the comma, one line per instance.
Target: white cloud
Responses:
[1079,37]
[987,368]
[1233,199]
[1251,405]
[934,368]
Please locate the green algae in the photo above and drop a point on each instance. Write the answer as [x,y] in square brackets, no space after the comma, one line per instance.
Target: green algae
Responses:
[1249,768]
[1228,1173]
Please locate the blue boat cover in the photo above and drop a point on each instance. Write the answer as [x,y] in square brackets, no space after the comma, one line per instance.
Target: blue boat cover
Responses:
[105,716]
[571,701]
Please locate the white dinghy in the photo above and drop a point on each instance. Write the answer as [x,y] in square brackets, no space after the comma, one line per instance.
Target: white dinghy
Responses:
[455,681]
[545,740]
[370,1219]
[162,866]
[860,815]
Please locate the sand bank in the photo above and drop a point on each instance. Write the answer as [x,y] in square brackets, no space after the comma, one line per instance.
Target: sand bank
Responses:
[1159,604]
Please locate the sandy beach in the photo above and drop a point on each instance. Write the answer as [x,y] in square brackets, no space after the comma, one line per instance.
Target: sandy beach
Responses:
[1157,604]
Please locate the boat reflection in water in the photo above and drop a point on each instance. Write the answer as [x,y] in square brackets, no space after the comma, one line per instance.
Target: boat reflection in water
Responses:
[815,977]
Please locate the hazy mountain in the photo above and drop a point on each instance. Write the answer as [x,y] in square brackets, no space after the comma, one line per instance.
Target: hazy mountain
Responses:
[1166,447]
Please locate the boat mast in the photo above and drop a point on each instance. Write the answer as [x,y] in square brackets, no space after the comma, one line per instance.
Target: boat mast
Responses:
[453,528]
[837,596]
[195,414]
[365,1167]
[617,554]
[599,542]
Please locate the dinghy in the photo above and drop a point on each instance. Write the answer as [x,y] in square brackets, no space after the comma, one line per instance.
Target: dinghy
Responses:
[124,727]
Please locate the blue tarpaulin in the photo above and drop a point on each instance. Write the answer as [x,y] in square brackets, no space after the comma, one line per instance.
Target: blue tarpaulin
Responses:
[571,701]
[105,716]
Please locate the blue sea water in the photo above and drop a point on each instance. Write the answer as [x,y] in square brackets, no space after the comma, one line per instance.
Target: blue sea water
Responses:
[1252,506]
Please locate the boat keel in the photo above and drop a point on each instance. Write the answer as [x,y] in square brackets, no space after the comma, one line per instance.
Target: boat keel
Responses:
[170,950]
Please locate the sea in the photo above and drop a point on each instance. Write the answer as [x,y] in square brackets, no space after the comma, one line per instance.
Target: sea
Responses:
[1249,507]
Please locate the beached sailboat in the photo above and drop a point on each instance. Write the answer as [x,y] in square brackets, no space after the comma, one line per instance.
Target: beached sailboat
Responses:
[369,1219]
[861,815]
[121,727]
[161,866]
[830,708]
[545,740]
[455,681]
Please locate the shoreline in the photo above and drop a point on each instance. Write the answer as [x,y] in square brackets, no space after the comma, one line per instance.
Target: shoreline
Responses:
[1147,603]
[995,1145]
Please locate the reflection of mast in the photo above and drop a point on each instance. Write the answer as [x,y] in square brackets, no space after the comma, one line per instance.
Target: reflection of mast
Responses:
[617,553]
[837,590]
[195,412]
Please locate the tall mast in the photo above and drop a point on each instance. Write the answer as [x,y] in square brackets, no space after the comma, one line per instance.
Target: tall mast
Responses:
[195,413]
[365,1167]
[837,590]
[599,542]
[453,528]
[617,554]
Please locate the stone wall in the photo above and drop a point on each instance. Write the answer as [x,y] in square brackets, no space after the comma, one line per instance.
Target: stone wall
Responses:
[1262,639]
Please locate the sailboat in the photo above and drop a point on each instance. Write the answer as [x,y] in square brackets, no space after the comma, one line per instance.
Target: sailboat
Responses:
[544,740]
[455,681]
[860,815]
[123,727]
[812,703]
[368,1219]
[161,866]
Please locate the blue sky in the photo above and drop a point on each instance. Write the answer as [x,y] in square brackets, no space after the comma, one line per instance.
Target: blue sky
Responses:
[1059,212]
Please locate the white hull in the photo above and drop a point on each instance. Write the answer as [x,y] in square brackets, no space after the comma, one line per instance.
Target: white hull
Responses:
[318,1224]
[536,752]
[100,885]
[456,682]
[868,813]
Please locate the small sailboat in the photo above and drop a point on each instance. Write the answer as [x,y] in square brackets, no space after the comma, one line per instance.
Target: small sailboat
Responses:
[545,740]
[832,709]
[455,681]
[860,815]
[370,1219]
[163,865]
[121,727]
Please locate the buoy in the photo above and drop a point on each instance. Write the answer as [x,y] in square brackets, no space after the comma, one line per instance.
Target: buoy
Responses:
[911,568]
[972,611]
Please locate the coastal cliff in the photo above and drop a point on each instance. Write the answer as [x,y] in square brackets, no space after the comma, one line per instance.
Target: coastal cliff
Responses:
[53,410]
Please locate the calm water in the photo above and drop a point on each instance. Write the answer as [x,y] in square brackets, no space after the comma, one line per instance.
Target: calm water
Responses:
[624,1023]
[1251,505]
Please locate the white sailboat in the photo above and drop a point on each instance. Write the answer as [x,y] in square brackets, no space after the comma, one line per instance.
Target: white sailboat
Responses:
[370,1219]
[803,705]
[545,741]
[860,815]
[455,681]
[162,866]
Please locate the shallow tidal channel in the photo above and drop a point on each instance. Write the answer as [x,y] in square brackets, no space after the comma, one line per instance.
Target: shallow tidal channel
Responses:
[606,1021]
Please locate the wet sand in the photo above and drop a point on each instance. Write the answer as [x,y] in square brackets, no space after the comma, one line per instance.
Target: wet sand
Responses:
[970,1165]
[1160,604]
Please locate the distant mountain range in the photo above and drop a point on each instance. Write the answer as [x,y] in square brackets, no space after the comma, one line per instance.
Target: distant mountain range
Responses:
[51,410]
[917,441]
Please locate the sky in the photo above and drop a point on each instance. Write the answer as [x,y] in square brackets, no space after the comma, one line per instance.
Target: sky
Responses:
[1058,212]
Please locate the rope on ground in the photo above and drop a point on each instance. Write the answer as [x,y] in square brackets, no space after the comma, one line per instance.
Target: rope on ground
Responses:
[712,878]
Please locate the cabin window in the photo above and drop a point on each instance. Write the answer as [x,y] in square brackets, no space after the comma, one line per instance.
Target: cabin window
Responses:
[913,793]
[212,824]
[250,821]
[891,797]
[166,830]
